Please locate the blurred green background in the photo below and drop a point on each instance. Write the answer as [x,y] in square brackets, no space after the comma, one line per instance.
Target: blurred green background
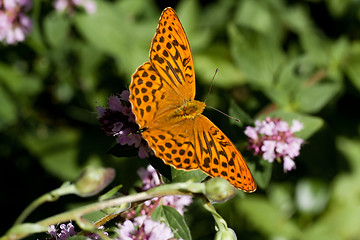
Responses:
[294,59]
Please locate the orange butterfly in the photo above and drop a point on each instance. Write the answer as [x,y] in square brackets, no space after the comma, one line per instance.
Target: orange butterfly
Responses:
[162,95]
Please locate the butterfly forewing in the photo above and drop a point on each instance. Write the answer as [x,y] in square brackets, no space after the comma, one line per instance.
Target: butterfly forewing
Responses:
[149,98]
[170,55]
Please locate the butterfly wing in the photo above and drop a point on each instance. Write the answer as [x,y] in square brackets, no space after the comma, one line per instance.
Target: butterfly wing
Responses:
[170,55]
[218,157]
[149,97]
[174,144]
[162,85]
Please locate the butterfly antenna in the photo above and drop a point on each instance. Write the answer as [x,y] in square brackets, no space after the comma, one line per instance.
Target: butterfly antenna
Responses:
[211,83]
[212,80]
[237,120]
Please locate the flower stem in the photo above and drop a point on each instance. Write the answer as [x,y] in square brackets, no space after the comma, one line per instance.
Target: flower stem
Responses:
[187,188]
[220,222]
[48,197]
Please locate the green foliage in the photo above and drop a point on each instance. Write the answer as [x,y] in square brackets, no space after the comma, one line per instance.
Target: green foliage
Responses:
[172,218]
[289,59]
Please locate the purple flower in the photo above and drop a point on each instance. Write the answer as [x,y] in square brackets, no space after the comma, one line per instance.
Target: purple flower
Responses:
[118,120]
[178,202]
[95,236]
[70,5]
[145,229]
[274,139]
[14,24]
[66,231]
[151,179]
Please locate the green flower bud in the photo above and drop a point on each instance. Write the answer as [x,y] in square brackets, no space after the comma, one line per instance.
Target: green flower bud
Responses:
[227,234]
[93,180]
[219,190]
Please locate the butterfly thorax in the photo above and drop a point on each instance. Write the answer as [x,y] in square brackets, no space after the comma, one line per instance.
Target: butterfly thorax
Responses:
[190,109]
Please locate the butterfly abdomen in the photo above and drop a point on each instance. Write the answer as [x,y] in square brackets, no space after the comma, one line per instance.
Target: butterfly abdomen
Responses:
[189,110]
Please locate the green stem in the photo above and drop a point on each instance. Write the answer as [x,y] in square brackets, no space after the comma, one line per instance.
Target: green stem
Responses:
[187,188]
[220,222]
[48,197]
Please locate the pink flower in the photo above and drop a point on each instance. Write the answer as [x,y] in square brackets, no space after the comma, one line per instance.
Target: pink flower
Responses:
[274,139]
[14,24]
[178,202]
[144,228]
[119,121]
[66,231]
[268,149]
[70,5]
[150,179]
[289,164]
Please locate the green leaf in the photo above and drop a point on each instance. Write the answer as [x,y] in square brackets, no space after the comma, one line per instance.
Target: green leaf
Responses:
[338,7]
[57,151]
[256,55]
[109,194]
[352,68]
[113,31]
[256,15]
[267,218]
[173,219]
[262,176]
[183,176]
[78,237]
[8,114]
[18,82]
[217,56]
[314,98]
[290,78]
[350,149]
[56,28]
[237,112]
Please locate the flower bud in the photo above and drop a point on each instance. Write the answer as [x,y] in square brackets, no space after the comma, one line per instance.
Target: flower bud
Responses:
[92,180]
[227,234]
[219,190]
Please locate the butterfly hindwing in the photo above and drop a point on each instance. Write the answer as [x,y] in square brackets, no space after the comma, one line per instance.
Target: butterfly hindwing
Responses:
[218,157]
[174,147]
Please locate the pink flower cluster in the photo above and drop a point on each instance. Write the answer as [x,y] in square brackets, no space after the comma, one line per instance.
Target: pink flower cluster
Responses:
[151,179]
[68,230]
[14,23]
[274,139]
[70,5]
[118,120]
[145,229]
[140,225]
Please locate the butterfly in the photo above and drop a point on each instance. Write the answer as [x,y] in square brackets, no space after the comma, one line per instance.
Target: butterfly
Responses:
[162,96]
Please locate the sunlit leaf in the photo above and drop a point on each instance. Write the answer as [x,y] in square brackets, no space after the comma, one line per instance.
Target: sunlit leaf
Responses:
[172,218]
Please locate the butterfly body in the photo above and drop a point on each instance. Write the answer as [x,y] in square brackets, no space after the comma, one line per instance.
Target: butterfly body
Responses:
[190,109]
[162,95]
